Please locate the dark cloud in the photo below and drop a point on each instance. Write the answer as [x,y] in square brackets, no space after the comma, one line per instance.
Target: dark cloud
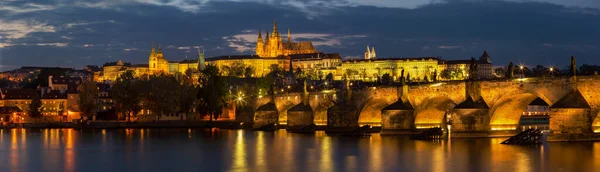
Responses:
[97,32]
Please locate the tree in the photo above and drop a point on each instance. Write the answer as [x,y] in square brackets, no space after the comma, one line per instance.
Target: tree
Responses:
[329,77]
[386,79]
[212,92]
[408,78]
[162,95]
[435,76]
[586,69]
[275,70]
[236,69]
[187,98]
[540,71]
[573,66]
[425,78]
[127,93]
[88,98]
[511,71]
[35,106]
[249,72]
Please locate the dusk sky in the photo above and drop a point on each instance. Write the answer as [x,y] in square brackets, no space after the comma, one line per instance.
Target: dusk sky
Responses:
[70,33]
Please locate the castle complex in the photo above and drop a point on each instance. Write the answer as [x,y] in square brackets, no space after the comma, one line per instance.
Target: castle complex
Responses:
[272,51]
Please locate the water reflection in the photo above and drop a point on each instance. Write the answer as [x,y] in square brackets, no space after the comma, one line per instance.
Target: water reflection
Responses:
[239,154]
[238,150]
[69,152]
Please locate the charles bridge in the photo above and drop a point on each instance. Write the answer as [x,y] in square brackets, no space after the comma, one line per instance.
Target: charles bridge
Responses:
[475,108]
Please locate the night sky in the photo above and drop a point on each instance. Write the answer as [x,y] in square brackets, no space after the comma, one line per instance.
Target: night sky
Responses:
[70,33]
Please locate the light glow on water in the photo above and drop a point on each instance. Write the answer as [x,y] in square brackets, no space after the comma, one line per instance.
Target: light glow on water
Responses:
[239,150]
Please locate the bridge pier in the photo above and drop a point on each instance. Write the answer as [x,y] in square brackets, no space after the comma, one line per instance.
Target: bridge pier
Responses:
[265,115]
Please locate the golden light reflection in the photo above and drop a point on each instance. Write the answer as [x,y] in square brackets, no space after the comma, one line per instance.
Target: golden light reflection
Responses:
[375,153]
[503,127]
[69,153]
[14,150]
[439,158]
[597,155]
[239,154]
[260,152]
[326,155]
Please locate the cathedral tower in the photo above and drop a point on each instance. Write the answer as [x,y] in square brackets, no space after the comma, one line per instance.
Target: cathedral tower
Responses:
[273,45]
[153,59]
[201,65]
[260,46]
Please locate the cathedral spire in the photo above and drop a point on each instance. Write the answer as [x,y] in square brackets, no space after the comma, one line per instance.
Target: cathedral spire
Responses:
[289,36]
[275,34]
[267,37]
[153,52]
[159,49]
[259,36]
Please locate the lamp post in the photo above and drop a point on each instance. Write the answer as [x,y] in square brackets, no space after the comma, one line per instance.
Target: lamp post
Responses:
[551,71]
[522,74]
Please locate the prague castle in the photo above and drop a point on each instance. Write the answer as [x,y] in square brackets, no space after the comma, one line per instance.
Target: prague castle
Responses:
[273,46]
[272,51]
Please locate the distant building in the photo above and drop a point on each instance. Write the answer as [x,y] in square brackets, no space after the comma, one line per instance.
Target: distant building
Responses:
[484,66]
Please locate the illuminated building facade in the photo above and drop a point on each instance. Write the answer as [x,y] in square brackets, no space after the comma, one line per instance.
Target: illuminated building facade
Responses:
[418,69]
[156,64]
[273,45]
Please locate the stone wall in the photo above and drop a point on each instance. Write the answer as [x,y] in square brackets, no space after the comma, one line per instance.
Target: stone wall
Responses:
[570,120]
[470,120]
[263,118]
[397,120]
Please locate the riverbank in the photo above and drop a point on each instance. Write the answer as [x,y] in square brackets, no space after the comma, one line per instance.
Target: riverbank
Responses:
[117,125]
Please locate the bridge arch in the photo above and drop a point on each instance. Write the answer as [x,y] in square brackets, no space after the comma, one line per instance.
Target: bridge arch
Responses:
[509,106]
[431,111]
[371,111]
[285,103]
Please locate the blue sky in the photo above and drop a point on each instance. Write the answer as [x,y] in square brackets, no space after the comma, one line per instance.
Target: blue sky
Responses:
[72,33]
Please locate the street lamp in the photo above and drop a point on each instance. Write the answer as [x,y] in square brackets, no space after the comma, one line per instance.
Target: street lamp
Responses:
[521,68]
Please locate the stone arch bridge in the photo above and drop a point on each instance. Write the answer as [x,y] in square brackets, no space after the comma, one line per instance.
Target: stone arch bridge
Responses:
[480,106]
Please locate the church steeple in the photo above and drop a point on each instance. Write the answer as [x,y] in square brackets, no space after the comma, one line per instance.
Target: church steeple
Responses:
[275,33]
[159,49]
[373,55]
[201,65]
[267,37]
[289,37]
[153,52]
[259,36]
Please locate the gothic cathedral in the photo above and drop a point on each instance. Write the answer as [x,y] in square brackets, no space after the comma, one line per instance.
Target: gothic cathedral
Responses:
[274,46]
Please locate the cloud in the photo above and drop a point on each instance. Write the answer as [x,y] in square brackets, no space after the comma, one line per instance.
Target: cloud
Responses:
[55,44]
[21,28]
[449,46]
[130,49]
[25,8]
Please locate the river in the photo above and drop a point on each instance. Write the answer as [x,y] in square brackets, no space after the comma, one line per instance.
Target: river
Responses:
[179,150]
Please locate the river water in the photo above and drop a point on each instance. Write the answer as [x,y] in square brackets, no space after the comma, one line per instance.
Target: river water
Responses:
[179,150]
